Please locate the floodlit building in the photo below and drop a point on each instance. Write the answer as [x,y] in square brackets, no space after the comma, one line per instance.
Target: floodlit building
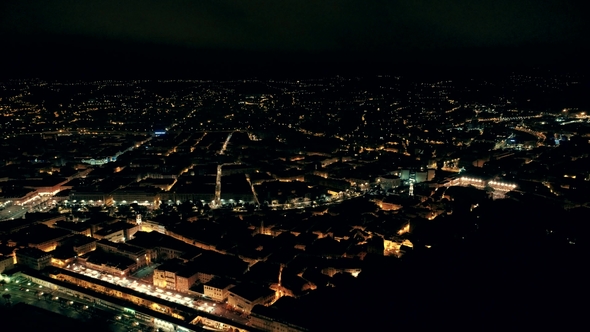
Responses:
[81,244]
[118,232]
[48,241]
[421,175]
[175,276]
[218,289]
[6,263]
[245,297]
[152,226]
[33,258]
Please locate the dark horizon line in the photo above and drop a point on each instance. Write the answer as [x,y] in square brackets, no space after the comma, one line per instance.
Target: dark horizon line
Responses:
[298,70]
[147,61]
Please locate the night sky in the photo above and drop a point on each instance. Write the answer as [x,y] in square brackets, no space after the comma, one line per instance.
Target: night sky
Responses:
[191,36]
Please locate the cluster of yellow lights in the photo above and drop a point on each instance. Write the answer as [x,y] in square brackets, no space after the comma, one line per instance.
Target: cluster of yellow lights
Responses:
[471,179]
[405,229]
[491,183]
[29,200]
[501,184]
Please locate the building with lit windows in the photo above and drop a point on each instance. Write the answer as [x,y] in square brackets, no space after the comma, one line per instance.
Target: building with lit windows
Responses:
[175,276]
[218,289]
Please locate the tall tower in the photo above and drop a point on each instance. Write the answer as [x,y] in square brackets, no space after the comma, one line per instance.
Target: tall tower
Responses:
[217,201]
[279,292]
[412,181]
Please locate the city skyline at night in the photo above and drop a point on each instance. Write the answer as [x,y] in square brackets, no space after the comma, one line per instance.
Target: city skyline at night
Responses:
[293,166]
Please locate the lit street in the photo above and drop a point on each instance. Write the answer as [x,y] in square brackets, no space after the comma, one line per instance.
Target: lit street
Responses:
[142,286]
[293,166]
[25,292]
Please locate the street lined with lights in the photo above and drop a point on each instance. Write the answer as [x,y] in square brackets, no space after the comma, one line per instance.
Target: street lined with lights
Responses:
[22,290]
[146,288]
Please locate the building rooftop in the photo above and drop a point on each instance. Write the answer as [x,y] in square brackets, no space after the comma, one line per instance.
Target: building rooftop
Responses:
[220,265]
[72,226]
[124,247]
[77,240]
[32,253]
[188,271]
[63,253]
[172,265]
[101,258]
[10,226]
[114,228]
[40,233]
[220,283]
[150,240]
[251,292]
[285,310]
[43,182]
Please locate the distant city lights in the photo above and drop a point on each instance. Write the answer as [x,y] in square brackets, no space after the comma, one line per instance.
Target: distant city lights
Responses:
[495,184]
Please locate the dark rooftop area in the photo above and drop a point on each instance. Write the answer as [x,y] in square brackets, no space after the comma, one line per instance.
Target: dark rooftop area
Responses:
[251,292]
[32,252]
[25,317]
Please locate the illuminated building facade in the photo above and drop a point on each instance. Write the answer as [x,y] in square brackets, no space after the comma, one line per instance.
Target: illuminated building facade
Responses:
[6,263]
[217,289]
[174,276]
[244,297]
[33,258]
